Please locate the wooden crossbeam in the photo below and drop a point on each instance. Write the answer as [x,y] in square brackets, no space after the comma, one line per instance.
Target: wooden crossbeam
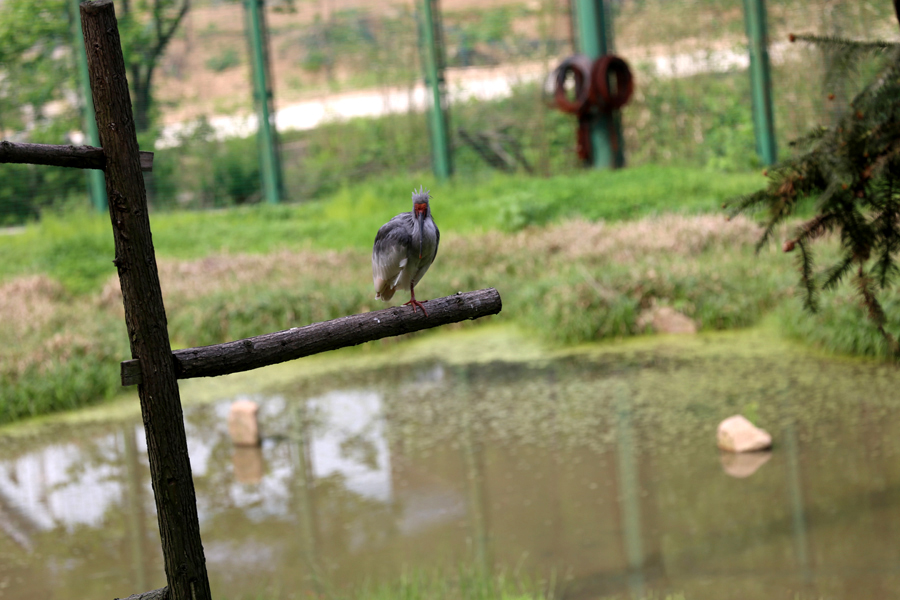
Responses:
[282,346]
[77,157]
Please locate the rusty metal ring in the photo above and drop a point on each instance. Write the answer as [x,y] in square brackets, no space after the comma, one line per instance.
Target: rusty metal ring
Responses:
[580,67]
[600,93]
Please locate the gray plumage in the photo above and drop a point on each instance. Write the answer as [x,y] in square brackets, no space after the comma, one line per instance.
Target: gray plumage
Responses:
[404,249]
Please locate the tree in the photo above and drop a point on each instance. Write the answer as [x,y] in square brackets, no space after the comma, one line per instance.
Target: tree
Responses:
[852,169]
[146,29]
[36,65]
[37,59]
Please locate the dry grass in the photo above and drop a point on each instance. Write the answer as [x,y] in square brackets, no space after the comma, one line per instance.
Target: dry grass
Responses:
[624,242]
[28,304]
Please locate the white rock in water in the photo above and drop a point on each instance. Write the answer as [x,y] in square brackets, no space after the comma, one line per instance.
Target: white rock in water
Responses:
[743,465]
[737,434]
[242,423]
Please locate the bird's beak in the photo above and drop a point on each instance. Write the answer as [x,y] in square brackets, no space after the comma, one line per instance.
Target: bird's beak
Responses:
[420,223]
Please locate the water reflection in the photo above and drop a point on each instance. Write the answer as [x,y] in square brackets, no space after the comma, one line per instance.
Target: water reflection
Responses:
[601,471]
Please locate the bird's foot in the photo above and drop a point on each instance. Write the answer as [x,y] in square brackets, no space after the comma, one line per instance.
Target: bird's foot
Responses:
[416,303]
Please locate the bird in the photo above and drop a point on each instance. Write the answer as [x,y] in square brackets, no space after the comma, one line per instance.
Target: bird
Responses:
[404,248]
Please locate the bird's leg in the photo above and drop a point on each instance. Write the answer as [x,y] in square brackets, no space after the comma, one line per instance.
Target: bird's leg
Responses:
[414,302]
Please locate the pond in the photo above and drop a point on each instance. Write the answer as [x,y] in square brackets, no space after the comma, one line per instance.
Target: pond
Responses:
[595,470]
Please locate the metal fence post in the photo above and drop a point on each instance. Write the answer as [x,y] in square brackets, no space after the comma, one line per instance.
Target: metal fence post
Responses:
[270,164]
[760,80]
[95,182]
[434,63]
[594,40]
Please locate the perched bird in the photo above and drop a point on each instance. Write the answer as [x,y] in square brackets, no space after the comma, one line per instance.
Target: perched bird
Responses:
[404,249]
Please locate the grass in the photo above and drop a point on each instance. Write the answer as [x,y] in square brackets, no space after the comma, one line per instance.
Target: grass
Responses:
[466,584]
[576,259]
[76,248]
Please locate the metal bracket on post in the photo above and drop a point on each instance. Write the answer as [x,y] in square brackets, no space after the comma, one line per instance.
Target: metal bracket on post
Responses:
[608,149]
[602,87]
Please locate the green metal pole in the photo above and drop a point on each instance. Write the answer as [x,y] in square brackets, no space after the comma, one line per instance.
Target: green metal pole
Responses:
[629,491]
[95,180]
[761,80]
[268,155]
[434,78]
[594,40]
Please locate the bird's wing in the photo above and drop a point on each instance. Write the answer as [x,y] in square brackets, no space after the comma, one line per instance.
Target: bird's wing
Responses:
[437,241]
[389,256]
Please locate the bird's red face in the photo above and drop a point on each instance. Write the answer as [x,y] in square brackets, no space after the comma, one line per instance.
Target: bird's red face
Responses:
[420,210]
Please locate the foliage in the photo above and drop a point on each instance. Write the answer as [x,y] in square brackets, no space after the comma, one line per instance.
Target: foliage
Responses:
[146,28]
[351,39]
[842,324]
[852,169]
[29,190]
[205,172]
[466,584]
[37,63]
[58,352]
[568,283]
[226,59]
[38,82]
[37,54]
[75,246]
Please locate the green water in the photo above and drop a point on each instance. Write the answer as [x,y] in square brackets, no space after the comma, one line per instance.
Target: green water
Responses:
[594,469]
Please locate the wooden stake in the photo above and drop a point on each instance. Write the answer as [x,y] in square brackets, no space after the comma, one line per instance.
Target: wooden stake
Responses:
[145,316]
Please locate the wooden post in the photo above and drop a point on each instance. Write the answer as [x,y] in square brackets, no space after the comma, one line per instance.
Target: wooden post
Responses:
[145,316]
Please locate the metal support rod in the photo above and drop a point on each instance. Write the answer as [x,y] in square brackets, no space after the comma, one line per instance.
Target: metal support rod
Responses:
[95,182]
[270,166]
[433,59]
[761,80]
[595,40]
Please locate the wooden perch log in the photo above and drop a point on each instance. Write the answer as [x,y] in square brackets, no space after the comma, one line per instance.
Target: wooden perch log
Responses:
[160,594]
[274,348]
[78,157]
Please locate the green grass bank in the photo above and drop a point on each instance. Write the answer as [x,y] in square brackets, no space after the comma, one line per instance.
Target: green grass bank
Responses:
[576,259]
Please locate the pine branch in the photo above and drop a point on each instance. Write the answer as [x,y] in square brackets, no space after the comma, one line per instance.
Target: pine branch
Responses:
[833,275]
[853,171]
[843,44]
[813,135]
[876,312]
[811,297]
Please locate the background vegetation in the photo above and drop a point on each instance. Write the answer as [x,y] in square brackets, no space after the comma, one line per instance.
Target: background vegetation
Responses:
[579,258]
[691,105]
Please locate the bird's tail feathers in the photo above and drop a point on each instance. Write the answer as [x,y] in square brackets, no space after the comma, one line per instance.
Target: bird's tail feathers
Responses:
[383,290]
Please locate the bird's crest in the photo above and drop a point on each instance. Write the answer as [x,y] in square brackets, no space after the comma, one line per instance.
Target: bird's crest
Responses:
[421,196]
